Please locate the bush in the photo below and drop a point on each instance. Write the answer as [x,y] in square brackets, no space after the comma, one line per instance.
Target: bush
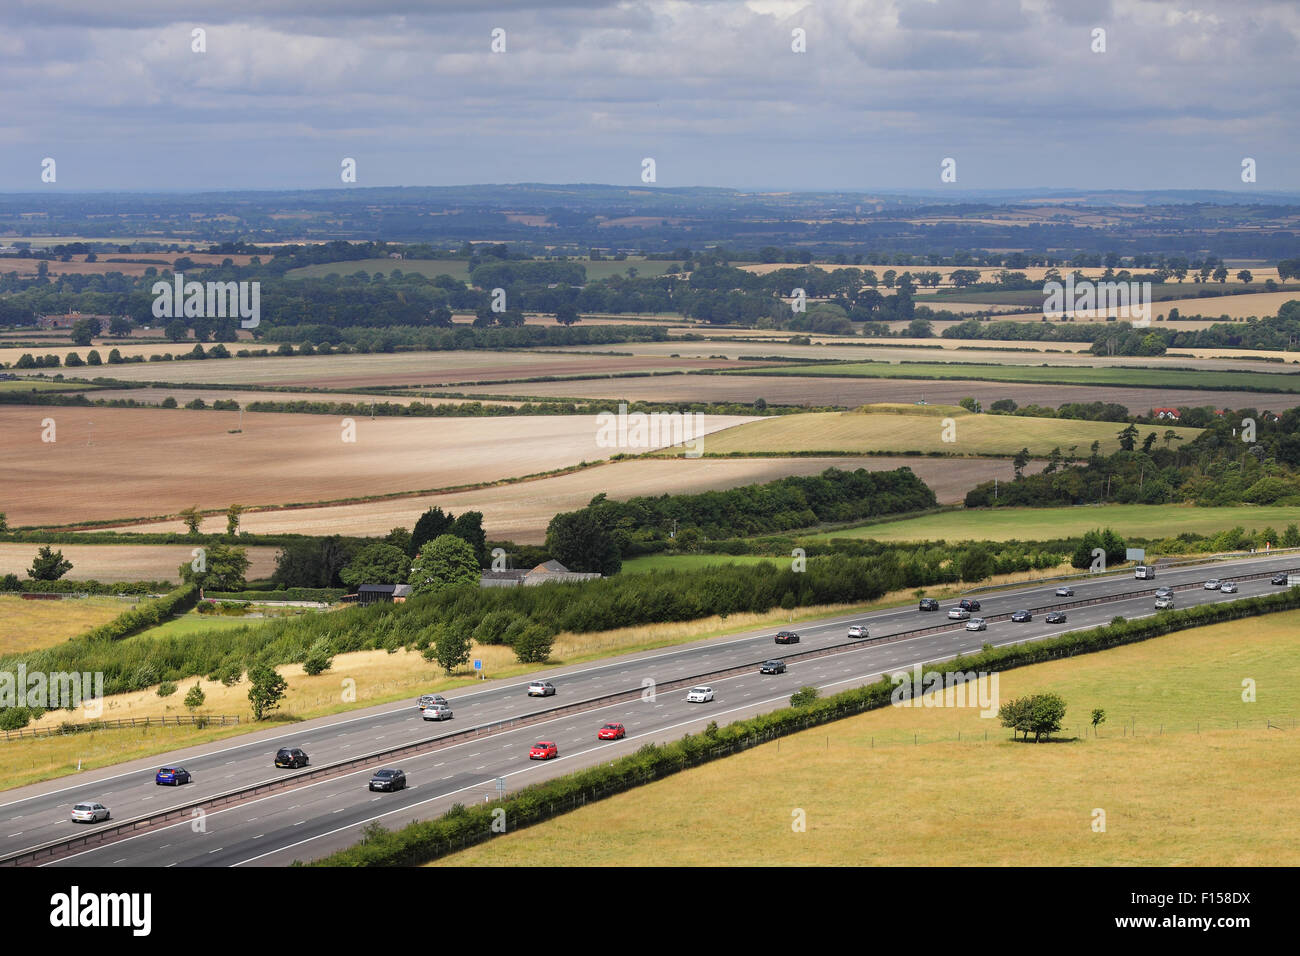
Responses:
[533,645]
[318,658]
[804,696]
[14,718]
[166,689]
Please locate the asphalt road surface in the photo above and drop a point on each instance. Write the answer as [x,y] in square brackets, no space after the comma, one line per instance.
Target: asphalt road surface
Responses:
[317,818]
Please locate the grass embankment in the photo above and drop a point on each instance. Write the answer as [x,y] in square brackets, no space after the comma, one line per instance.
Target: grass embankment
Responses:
[898,429]
[27,625]
[1050,524]
[1134,376]
[1203,782]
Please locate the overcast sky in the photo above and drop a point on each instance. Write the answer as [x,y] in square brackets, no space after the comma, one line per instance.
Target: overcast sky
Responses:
[1010,89]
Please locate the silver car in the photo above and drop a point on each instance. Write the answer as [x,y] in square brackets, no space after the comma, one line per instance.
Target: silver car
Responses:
[958,614]
[1227,587]
[1213,584]
[857,630]
[437,712]
[89,813]
[977,624]
[541,688]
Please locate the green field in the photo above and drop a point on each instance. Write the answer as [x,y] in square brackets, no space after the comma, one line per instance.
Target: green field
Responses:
[689,562]
[908,428]
[1047,524]
[1136,377]
[459,268]
[1186,772]
[36,385]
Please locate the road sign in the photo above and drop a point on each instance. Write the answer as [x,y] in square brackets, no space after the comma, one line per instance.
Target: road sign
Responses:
[1135,554]
[501,784]
[478,665]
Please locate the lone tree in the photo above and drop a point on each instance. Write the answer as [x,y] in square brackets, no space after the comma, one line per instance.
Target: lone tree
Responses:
[48,565]
[224,569]
[451,647]
[445,562]
[195,697]
[192,519]
[232,519]
[266,690]
[1040,715]
[533,643]
[1098,718]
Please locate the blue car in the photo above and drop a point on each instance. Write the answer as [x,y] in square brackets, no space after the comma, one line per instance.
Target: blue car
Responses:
[175,776]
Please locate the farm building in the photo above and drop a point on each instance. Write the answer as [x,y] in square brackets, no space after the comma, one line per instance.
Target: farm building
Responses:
[388,593]
[542,574]
[1167,413]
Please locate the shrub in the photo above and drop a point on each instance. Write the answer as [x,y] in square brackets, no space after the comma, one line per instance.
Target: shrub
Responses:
[804,696]
[166,689]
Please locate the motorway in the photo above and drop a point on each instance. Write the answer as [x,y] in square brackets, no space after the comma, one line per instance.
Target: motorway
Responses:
[316,818]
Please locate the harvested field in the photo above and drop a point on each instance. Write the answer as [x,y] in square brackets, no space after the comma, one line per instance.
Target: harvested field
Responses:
[401,368]
[520,512]
[1258,304]
[122,562]
[962,351]
[146,462]
[244,396]
[906,430]
[801,390]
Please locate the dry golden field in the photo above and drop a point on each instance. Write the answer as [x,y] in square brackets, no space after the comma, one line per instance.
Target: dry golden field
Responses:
[909,428]
[135,463]
[521,511]
[27,625]
[1204,782]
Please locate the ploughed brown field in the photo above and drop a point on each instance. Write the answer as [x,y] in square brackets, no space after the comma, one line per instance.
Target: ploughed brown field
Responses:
[123,562]
[397,369]
[135,463]
[183,394]
[813,391]
[520,512]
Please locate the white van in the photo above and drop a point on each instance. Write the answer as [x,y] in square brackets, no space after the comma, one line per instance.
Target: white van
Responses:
[1144,573]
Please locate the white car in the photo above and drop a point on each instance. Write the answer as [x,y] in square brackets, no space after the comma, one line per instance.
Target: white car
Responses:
[89,813]
[437,712]
[1164,603]
[858,630]
[541,688]
[699,695]
[958,614]
[977,624]
[1227,587]
[1065,592]
[1213,584]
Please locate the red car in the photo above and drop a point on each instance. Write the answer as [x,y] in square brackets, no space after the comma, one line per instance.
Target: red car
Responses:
[611,732]
[543,750]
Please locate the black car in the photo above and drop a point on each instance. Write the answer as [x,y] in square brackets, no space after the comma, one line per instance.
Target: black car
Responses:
[1021,616]
[772,667]
[1278,578]
[388,780]
[787,637]
[291,757]
[968,604]
[1056,617]
[929,604]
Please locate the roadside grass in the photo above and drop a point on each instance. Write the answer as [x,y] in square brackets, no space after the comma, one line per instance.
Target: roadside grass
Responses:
[1134,376]
[899,430]
[380,678]
[1203,782]
[1047,524]
[27,625]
